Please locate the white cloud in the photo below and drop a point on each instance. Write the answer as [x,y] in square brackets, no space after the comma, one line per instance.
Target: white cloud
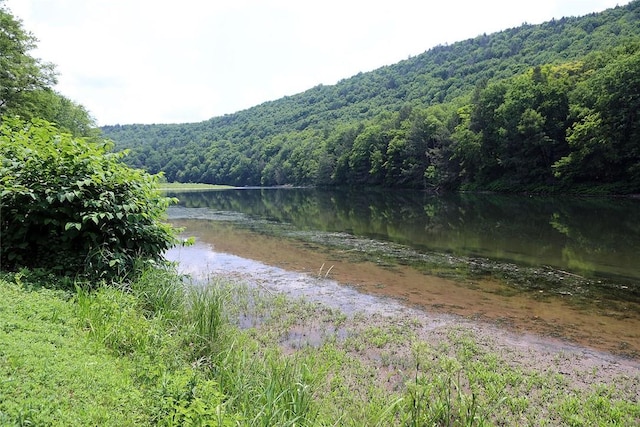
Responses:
[160,61]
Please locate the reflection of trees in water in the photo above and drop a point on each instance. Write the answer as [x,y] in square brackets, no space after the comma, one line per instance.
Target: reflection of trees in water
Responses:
[582,232]
[603,229]
[570,232]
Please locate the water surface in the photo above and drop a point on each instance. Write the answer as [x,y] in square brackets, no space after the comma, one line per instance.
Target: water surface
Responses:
[594,237]
[559,267]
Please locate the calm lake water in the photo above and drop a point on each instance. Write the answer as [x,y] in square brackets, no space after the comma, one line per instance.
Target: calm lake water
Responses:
[598,238]
[562,268]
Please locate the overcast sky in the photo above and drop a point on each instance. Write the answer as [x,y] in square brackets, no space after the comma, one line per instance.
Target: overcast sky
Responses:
[174,61]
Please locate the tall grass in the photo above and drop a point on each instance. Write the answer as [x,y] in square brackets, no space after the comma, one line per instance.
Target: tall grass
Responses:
[204,318]
[267,388]
[160,291]
[259,384]
[178,357]
[112,318]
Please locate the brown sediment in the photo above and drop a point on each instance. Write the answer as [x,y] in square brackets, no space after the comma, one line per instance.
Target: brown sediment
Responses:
[597,325]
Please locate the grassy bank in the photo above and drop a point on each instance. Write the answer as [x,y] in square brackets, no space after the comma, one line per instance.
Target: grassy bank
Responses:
[162,352]
[181,186]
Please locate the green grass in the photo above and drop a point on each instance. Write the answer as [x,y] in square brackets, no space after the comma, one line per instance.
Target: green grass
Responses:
[51,373]
[95,358]
[182,186]
[161,351]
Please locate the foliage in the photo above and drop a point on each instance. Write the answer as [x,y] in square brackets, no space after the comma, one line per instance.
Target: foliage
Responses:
[376,371]
[52,342]
[603,140]
[517,110]
[70,205]
[558,126]
[21,74]
[26,82]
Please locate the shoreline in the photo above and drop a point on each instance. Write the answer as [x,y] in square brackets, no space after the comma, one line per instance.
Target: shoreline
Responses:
[602,327]
[520,348]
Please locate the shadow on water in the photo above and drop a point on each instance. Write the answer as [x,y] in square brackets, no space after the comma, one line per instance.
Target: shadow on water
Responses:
[563,267]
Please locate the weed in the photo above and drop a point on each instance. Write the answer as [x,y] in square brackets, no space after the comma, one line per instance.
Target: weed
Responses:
[169,354]
[204,318]
[188,399]
[326,274]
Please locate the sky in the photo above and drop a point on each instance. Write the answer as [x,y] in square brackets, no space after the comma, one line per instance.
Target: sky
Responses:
[178,61]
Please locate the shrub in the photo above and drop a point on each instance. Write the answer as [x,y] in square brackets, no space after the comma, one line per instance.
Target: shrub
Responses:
[70,204]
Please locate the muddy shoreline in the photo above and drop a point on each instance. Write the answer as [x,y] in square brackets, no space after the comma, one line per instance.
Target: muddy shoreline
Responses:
[563,368]
[600,326]
[579,368]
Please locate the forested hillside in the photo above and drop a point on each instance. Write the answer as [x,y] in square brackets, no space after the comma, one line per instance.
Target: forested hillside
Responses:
[548,107]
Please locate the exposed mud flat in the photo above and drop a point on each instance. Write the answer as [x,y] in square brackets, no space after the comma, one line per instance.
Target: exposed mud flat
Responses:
[296,266]
[375,304]
[201,262]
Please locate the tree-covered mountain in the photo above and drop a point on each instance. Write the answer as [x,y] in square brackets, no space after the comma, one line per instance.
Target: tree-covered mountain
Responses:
[534,108]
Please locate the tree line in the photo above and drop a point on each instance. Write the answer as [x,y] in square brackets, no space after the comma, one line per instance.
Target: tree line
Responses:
[68,204]
[26,82]
[543,108]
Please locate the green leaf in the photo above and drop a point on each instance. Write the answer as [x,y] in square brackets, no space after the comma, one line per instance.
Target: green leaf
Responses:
[92,186]
[68,226]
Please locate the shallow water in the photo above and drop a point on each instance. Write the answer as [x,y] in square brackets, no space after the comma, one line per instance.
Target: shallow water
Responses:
[598,238]
[354,272]
[204,261]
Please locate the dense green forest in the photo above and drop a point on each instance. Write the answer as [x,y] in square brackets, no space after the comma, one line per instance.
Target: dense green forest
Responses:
[550,108]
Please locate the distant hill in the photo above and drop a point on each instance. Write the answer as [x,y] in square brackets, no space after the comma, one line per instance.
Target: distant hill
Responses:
[420,122]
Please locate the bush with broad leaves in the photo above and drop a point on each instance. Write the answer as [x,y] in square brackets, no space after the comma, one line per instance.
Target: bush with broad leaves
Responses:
[70,205]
